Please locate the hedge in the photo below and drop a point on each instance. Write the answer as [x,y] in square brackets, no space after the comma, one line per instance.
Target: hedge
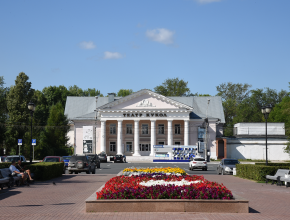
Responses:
[257,173]
[274,164]
[43,170]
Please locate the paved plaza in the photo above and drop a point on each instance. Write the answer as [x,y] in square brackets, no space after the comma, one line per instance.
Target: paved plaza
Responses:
[66,200]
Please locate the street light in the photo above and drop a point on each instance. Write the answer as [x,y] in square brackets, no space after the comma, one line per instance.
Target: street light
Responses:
[266,111]
[31,107]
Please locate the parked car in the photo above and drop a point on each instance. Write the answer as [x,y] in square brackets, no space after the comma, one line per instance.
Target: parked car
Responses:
[103,157]
[226,166]
[81,163]
[2,159]
[15,158]
[120,158]
[95,159]
[54,159]
[66,160]
[198,163]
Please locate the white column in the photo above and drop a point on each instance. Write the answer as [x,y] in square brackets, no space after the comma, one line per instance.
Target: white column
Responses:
[136,138]
[186,132]
[119,138]
[103,136]
[169,127]
[153,136]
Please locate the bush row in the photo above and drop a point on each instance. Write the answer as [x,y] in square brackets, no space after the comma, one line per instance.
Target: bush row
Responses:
[273,164]
[257,172]
[43,170]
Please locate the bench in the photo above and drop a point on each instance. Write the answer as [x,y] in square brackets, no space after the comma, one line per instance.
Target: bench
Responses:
[286,180]
[277,177]
[8,179]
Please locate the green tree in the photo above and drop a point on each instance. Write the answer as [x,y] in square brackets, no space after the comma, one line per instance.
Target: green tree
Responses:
[281,113]
[3,112]
[17,99]
[124,92]
[54,138]
[92,92]
[249,110]
[54,94]
[232,95]
[173,87]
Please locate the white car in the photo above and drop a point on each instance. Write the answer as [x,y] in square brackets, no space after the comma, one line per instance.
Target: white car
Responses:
[198,163]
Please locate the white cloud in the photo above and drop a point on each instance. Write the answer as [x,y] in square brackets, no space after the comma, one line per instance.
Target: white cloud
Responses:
[87,45]
[160,35]
[112,55]
[207,1]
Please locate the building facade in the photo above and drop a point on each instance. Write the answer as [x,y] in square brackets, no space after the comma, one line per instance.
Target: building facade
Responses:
[132,125]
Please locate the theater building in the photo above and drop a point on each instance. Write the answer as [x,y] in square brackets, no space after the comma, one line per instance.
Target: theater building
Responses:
[132,125]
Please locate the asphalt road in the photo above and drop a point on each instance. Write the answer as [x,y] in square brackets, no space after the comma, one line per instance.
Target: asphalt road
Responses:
[115,168]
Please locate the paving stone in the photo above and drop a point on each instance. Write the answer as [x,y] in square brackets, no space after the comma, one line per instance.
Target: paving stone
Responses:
[65,200]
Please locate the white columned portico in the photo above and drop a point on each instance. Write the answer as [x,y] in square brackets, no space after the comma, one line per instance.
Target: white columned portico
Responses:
[119,138]
[169,138]
[186,132]
[103,136]
[136,138]
[153,136]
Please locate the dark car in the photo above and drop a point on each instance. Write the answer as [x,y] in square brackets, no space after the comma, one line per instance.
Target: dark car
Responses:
[81,163]
[103,157]
[226,166]
[120,158]
[95,159]
[15,158]
[54,159]
[66,160]
[2,159]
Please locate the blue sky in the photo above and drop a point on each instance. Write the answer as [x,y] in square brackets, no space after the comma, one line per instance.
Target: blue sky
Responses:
[134,44]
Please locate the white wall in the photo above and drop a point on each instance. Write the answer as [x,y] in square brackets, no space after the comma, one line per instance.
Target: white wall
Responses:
[255,148]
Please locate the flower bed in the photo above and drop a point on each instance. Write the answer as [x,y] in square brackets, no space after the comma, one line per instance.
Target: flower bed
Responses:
[135,187]
[140,170]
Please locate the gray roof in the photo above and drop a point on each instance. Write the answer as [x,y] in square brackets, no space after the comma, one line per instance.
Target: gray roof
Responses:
[83,108]
[199,104]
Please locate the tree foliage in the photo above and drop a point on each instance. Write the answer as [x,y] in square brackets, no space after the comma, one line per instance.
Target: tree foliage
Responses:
[173,87]
[3,111]
[17,100]
[281,113]
[53,140]
[231,94]
[124,92]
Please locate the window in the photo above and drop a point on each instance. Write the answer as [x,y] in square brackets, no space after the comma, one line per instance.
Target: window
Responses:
[145,129]
[161,143]
[161,129]
[129,146]
[201,133]
[112,146]
[112,128]
[144,147]
[177,143]
[177,128]
[129,128]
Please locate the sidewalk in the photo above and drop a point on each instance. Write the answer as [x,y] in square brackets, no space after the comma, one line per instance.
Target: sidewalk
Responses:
[65,200]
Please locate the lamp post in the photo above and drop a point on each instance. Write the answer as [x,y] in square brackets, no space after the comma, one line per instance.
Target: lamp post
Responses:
[31,107]
[266,111]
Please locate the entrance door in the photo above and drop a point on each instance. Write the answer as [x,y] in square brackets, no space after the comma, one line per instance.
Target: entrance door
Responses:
[145,149]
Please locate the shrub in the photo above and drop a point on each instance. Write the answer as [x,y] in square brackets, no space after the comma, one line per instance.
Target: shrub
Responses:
[273,164]
[257,172]
[46,170]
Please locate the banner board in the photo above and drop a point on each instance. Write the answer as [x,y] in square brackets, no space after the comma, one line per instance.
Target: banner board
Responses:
[87,139]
